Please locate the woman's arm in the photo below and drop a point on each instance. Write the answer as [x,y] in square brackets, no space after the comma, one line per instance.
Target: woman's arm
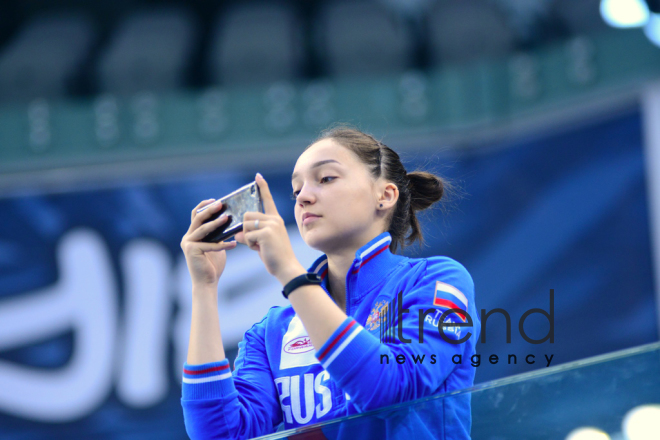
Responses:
[215,403]
[220,403]
[317,311]
[206,262]
[205,344]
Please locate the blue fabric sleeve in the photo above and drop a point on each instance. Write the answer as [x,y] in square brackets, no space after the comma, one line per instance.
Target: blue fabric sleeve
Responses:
[218,403]
[354,357]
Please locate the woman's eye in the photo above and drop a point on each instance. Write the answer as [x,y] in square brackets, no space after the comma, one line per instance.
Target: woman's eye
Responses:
[294,195]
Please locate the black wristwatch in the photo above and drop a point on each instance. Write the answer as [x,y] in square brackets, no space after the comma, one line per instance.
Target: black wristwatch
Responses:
[302,280]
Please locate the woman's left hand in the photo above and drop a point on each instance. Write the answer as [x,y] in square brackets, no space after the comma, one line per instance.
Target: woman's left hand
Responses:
[271,239]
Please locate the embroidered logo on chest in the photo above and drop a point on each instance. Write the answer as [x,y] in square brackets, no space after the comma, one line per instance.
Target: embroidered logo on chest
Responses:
[297,348]
[373,321]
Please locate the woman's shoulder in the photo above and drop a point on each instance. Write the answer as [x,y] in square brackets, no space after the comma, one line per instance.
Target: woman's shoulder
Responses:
[437,263]
[443,269]
[274,315]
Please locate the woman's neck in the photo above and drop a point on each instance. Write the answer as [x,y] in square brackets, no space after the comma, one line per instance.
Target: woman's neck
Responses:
[338,266]
[339,263]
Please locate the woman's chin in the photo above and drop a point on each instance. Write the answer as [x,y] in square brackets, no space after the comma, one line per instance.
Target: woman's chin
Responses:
[315,240]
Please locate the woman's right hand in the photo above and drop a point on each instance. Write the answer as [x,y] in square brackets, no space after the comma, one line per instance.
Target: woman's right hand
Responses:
[206,261]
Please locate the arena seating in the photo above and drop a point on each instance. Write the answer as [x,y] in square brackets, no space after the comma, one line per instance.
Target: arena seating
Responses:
[150,50]
[256,43]
[45,56]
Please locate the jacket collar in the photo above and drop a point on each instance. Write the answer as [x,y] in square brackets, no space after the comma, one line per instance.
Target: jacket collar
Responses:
[372,263]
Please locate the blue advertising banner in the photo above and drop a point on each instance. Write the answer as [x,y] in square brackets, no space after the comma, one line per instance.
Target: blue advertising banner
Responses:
[95,293]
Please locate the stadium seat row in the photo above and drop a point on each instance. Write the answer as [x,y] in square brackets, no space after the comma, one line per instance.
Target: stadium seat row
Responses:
[249,43]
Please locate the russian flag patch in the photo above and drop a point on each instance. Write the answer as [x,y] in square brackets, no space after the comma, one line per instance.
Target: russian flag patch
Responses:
[450,297]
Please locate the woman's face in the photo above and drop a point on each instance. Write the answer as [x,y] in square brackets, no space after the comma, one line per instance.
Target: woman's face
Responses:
[330,182]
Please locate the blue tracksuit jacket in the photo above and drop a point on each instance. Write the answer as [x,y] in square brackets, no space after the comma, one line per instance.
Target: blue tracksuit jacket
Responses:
[279,377]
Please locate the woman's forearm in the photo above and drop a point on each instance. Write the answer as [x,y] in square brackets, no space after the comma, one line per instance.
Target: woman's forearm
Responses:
[205,344]
[317,311]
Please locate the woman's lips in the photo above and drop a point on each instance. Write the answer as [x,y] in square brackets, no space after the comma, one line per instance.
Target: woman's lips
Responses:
[310,219]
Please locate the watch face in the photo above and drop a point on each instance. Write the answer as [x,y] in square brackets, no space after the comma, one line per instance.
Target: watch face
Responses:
[313,277]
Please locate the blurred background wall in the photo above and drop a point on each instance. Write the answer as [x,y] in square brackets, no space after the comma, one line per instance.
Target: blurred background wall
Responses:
[118,117]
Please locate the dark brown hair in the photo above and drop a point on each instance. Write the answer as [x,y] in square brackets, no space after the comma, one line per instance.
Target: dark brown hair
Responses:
[417,190]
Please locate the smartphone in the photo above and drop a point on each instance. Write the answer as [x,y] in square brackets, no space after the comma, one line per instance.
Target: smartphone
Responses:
[245,199]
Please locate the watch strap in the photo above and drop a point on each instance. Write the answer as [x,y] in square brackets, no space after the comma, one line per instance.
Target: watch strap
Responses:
[302,280]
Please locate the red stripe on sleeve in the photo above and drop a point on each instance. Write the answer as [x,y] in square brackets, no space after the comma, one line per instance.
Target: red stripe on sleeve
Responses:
[337,339]
[208,370]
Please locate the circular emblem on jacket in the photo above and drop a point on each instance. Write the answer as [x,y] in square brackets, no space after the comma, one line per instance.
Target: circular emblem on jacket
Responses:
[299,345]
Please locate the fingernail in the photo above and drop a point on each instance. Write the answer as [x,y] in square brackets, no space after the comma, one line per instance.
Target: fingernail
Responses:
[260,176]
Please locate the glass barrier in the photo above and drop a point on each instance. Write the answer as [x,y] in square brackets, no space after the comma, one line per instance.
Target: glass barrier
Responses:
[610,397]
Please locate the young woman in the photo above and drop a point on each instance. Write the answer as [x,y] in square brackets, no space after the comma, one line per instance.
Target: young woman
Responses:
[325,356]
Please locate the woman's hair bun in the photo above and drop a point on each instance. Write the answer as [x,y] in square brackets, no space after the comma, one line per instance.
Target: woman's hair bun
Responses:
[425,189]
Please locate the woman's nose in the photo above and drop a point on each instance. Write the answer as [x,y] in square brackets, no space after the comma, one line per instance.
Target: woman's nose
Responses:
[305,195]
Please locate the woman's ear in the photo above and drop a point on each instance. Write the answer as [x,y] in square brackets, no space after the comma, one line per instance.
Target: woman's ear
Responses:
[389,194]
